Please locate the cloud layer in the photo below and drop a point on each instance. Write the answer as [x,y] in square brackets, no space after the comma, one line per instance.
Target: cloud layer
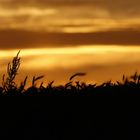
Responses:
[119,6]
[18,39]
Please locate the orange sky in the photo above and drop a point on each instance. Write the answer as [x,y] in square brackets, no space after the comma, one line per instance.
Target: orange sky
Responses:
[58,38]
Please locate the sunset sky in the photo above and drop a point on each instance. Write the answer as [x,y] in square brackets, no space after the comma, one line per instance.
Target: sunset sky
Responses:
[58,38]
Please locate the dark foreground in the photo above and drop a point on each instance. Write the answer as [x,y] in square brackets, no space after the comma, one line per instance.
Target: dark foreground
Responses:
[75,110]
[67,118]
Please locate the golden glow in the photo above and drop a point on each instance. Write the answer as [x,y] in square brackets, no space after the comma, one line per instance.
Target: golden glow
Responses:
[83,49]
[65,57]
[54,62]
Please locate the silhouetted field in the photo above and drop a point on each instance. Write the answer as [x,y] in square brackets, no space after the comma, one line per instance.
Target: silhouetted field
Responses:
[127,87]
[105,115]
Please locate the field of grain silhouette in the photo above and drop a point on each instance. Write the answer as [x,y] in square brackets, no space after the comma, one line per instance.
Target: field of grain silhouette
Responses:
[128,86]
[103,113]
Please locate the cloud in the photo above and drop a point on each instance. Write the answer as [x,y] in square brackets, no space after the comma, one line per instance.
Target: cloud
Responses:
[119,7]
[10,39]
[96,15]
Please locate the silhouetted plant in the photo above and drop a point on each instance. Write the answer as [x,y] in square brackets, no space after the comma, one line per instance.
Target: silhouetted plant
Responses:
[23,84]
[35,79]
[50,85]
[12,71]
[77,74]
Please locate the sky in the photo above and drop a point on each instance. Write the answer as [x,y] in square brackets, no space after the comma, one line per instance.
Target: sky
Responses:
[60,37]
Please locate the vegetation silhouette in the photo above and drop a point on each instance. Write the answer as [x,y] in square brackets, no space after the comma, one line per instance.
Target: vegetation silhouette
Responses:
[128,85]
[47,118]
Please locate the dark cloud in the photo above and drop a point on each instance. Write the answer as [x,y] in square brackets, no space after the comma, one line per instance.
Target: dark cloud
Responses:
[73,1]
[10,39]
